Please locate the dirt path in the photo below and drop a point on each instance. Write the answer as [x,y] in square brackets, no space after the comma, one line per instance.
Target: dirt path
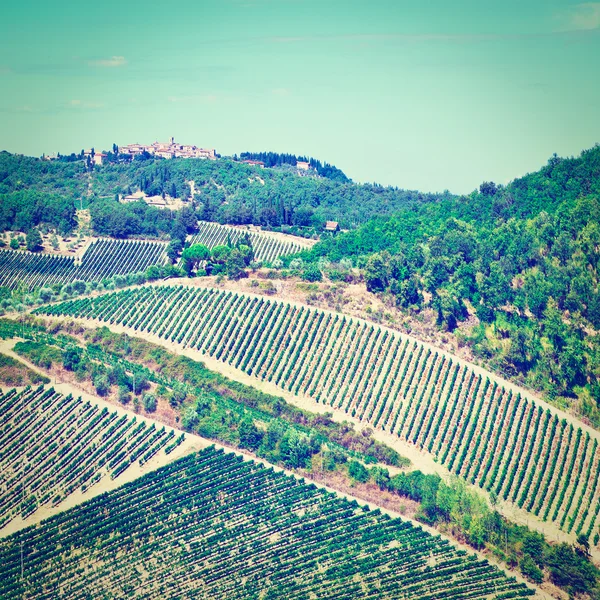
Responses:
[193,443]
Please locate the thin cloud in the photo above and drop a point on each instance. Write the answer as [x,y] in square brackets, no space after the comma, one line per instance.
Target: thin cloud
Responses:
[204,98]
[79,104]
[584,17]
[281,92]
[113,61]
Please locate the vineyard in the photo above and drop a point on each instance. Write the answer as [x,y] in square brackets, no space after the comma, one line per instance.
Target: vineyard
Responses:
[211,525]
[52,445]
[501,441]
[102,259]
[266,247]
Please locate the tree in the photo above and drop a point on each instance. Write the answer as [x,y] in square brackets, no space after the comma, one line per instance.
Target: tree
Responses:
[488,188]
[533,545]
[235,264]
[250,436]
[358,471]
[72,358]
[34,240]
[377,272]
[189,418]
[583,545]
[193,255]
[531,570]
[174,249]
[124,396]
[571,571]
[295,449]
[14,243]
[149,402]
[101,384]
[312,273]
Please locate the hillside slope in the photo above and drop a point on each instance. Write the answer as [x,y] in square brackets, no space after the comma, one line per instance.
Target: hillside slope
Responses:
[521,262]
[476,426]
[216,525]
[224,190]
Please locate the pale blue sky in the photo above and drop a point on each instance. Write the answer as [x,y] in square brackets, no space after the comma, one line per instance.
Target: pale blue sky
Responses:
[429,95]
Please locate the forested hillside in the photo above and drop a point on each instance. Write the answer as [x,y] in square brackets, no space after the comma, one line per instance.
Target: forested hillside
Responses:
[523,259]
[223,190]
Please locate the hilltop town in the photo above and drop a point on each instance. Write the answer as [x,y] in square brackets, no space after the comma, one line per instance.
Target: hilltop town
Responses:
[169,149]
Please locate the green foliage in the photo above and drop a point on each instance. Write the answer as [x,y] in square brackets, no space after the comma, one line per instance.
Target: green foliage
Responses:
[149,402]
[229,192]
[571,570]
[174,249]
[312,273]
[115,219]
[358,471]
[39,354]
[531,570]
[189,418]
[33,240]
[123,395]
[524,258]
[72,358]
[250,435]
[101,384]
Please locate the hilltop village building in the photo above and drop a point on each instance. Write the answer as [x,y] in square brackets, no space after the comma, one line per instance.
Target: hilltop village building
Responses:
[95,157]
[170,149]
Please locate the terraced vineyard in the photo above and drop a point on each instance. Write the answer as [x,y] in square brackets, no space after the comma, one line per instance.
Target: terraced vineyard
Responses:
[213,526]
[102,259]
[266,247]
[488,435]
[52,445]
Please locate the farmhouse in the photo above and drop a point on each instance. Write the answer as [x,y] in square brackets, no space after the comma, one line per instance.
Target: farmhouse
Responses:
[257,163]
[332,226]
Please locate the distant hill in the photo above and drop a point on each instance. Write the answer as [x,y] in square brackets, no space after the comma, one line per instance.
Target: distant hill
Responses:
[223,190]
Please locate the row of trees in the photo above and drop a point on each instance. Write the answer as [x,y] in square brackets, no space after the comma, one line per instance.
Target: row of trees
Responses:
[275,159]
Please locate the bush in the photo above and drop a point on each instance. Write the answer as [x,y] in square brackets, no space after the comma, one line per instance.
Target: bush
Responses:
[189,418]
[358,471]
[149,402]
[72,358]
[101,384]
[124,396]
[531,570]
[312,273]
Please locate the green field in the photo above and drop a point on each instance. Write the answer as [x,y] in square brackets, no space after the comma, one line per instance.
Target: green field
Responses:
[501,441]
[213,526]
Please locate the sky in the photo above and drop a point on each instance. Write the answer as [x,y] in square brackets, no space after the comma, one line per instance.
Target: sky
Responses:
[428,95]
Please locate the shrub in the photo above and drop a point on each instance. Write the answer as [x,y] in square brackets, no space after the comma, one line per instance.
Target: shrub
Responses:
[101,384]
[531,570]
[312,273]
[149,402]
[358,471]
[124,396]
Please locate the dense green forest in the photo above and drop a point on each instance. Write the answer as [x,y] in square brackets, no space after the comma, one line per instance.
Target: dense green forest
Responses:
[522,258]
